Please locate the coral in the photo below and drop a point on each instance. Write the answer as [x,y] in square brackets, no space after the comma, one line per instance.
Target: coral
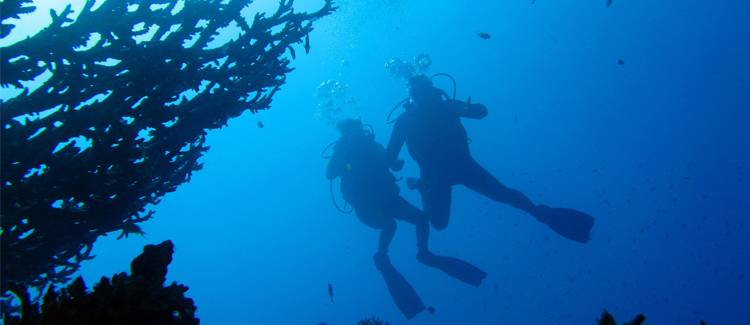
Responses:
[127,92]
[138,298]
[607,319]
[372,321]
[13,9]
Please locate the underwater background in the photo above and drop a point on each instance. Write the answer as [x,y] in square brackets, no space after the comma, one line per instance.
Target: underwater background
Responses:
[637,113]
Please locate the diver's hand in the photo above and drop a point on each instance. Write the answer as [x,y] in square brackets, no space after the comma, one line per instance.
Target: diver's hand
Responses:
[476,111]
[397,165]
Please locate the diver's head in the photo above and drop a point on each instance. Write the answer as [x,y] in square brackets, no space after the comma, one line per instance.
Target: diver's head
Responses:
[422,90]
[350,127]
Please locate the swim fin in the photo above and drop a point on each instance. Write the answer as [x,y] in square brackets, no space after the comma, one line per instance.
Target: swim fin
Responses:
[461,270]
[403,294]
[569,223]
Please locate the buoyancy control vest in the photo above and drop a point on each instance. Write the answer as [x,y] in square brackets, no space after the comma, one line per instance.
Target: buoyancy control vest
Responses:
[365,177]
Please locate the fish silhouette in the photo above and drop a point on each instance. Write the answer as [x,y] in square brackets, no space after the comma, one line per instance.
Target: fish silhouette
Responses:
[484,35]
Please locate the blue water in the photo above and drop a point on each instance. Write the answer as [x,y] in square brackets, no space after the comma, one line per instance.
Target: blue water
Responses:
[657,149]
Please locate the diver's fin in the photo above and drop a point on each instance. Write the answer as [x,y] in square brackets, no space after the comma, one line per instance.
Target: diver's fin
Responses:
[461,270]
[406,299]
[569,223]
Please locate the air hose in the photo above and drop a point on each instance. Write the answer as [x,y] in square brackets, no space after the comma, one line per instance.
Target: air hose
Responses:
[335,204]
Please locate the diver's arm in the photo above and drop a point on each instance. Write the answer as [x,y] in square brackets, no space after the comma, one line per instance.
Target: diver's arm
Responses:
[398,137]
[469,110]
[395,165]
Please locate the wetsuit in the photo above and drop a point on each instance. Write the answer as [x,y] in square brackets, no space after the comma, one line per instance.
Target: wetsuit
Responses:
[437,141]
[368,185]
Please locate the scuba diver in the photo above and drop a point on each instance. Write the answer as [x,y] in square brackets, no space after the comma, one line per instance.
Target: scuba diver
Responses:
[368,185]
[436,139]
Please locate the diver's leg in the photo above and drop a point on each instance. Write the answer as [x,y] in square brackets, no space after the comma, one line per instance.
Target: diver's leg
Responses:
[403,294]
[386,236]
[378,220]
[569,223]
[481,181]
[436,202]
[403,210]
[454,267]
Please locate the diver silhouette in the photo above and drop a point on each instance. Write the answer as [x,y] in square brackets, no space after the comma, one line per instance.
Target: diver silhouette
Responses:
[436,139]
[369,186]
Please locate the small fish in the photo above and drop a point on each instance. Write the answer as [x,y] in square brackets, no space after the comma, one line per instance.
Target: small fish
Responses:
[307,43]
[484,35]
[609,3]
[260,124]
[330,291]
[431,310]
[620,61]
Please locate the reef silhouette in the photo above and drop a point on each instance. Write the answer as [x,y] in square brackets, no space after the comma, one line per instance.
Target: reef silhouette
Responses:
[138,298]
[372,321]
[608,319]
[126,92]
